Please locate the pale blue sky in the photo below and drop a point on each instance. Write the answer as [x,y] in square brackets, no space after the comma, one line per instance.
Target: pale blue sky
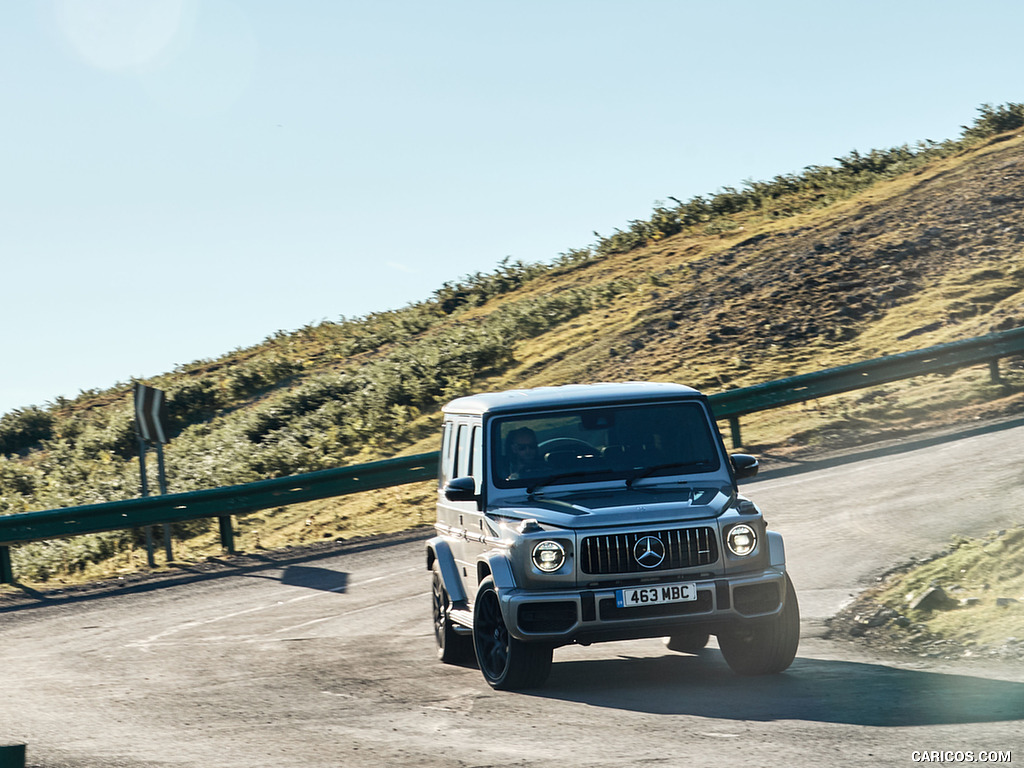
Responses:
[179,178]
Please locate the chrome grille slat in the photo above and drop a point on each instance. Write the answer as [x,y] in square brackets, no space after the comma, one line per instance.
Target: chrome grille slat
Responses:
[684,548]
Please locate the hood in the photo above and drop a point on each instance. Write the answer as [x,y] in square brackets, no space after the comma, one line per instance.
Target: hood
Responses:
[599,509]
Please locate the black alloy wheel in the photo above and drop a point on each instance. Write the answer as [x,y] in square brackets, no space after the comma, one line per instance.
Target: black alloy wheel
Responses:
[506,663]
[452,647]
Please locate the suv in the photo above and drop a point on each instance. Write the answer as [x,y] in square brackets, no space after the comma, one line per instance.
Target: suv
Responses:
[586,513]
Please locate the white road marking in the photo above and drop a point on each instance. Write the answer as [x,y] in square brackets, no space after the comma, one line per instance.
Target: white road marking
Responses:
[418,596]
[145,643]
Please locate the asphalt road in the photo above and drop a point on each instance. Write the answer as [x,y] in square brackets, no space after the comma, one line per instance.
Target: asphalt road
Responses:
[329,660]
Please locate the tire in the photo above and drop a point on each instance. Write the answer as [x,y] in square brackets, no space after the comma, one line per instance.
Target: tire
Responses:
[687,642]
[765,648]
[507,664]
[452,648]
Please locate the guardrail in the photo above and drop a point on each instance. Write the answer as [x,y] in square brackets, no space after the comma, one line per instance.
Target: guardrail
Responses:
[221,503]
[224,502]
[734,403]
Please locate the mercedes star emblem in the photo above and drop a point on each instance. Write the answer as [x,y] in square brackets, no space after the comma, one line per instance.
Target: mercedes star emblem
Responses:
[649,552]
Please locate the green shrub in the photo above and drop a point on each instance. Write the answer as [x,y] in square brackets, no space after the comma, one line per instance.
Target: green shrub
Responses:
[334,392]
[790,194]
[994,120]
[23,428]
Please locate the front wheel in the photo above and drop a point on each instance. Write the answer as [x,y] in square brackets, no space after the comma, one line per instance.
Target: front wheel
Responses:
[452,648]
[764,648]
[506,663]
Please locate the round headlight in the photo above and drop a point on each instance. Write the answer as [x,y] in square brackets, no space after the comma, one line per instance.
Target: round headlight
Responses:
[741,539]
[548,556]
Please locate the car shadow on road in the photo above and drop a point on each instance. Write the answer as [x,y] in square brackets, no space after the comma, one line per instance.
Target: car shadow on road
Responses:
[811,689]
[305,576]
[315,578]
[324,579]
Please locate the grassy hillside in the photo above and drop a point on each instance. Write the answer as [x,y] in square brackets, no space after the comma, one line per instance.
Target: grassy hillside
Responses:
[965,601]
[885,252]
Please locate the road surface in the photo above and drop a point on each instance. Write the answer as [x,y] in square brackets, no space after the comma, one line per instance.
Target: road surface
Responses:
[328,660]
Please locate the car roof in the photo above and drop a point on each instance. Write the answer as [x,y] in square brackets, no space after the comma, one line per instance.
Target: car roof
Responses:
[568,395]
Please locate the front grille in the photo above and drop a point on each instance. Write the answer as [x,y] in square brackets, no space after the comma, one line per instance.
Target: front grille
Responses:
[683,548]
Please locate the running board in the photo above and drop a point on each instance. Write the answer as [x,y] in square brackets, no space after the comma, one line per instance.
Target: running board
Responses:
[462,619]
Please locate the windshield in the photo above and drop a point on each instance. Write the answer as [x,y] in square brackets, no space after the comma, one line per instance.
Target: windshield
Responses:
[624,442]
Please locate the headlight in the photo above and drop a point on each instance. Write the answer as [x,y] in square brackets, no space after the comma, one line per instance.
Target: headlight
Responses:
[548,556]
[741,540]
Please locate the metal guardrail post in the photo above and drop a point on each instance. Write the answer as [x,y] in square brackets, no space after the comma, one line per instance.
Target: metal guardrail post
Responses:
[12,755]
[227,534]
[734,430]
[6,571]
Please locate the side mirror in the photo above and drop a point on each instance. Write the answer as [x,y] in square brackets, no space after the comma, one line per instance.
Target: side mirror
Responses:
[461,489]
[743,465]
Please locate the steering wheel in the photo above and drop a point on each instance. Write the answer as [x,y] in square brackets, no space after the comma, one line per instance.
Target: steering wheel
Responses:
[566,444]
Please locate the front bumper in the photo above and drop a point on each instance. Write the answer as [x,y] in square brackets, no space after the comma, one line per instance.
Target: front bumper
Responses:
[591,615]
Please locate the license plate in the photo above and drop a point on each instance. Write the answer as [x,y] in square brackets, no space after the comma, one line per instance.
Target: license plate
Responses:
[657,594]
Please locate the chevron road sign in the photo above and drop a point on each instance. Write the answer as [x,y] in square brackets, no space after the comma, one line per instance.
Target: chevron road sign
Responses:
[150,418]
[150,414]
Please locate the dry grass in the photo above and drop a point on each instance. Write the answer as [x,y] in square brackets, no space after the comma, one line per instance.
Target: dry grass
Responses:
[663,330]
[977,605]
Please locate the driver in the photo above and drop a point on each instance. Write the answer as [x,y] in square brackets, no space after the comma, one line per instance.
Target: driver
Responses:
[523,455]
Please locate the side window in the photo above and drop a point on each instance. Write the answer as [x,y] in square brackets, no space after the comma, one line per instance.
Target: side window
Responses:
[462,451]
[447,452]
[477,457]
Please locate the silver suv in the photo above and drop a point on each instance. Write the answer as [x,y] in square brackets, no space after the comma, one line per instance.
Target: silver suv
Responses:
[586,513]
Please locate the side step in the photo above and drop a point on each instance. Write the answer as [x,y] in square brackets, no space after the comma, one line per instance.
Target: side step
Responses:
[462,620]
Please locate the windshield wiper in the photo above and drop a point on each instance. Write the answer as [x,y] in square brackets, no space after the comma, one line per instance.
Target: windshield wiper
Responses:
[532,488]
[671,465]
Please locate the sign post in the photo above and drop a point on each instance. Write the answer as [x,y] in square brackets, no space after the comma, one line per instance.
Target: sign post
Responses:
[150,561]
[150,418]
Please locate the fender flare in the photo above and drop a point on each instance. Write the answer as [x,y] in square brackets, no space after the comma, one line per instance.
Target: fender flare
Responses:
[439,551]
[776,550]
[497,564]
